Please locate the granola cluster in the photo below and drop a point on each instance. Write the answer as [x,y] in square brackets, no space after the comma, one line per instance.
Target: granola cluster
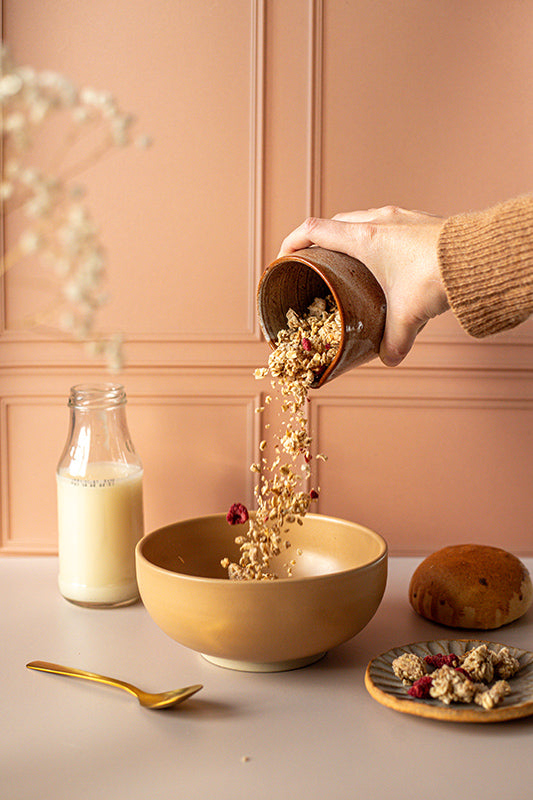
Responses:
[409,668]
[303,352]
[459,679]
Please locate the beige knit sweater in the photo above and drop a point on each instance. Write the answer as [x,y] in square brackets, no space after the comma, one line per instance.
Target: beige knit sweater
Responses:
[486,260]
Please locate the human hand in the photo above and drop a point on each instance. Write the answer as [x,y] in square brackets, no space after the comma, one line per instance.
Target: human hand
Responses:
[400,249]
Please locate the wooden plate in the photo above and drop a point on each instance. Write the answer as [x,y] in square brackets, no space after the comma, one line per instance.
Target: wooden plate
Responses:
[388,690]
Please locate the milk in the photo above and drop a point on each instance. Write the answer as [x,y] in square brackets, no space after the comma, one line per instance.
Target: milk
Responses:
[100,520]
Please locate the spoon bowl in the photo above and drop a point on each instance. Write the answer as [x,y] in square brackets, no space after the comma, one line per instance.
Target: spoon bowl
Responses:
[146,699]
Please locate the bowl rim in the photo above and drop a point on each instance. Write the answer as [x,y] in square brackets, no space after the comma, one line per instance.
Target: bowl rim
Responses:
[382,555]
[305,257]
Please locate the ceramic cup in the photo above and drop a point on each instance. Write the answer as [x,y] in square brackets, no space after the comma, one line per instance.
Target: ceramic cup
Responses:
[294,281]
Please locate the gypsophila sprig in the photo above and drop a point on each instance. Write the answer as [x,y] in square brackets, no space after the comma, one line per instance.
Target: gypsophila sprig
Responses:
[58,228]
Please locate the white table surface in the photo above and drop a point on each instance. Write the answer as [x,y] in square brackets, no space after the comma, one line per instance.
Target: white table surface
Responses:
[309,733]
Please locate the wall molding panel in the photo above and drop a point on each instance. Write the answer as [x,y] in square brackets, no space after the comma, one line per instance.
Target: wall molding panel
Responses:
[267,112]
[253,201]
[315,108]
[428,472]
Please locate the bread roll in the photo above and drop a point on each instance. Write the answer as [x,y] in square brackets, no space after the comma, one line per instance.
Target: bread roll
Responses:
[471,586]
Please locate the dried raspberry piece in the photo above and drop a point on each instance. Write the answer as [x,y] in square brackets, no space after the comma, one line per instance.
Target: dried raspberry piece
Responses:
[237,515]
[421,687]
[306,345]
[464,672]
[437,661]
[313,494]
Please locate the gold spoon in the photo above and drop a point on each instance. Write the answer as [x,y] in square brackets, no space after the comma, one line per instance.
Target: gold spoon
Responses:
[146,699]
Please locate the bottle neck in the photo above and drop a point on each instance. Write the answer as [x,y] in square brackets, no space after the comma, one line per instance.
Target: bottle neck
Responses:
[98,433]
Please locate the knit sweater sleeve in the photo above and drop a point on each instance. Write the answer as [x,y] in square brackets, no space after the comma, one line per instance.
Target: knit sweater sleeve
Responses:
[486,261]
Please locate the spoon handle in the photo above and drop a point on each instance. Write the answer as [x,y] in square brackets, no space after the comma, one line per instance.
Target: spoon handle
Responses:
[58,669]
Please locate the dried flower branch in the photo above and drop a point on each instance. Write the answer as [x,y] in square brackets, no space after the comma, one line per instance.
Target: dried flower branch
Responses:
[58,228]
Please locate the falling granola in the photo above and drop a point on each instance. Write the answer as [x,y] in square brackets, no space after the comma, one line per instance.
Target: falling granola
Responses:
[303,352]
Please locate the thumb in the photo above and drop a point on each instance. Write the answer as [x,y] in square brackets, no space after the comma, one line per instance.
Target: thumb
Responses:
[398,337]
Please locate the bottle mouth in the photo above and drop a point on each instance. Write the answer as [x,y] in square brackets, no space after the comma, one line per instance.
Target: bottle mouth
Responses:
[93,395]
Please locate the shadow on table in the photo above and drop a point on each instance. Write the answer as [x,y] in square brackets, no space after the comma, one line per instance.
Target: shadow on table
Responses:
[201,708]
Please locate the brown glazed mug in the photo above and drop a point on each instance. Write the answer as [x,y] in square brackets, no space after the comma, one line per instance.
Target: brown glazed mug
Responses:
[294,281]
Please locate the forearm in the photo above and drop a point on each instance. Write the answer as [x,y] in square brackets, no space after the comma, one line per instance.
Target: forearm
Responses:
[486,261]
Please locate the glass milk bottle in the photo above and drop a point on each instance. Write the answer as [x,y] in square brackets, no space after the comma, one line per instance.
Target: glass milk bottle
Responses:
[100,505]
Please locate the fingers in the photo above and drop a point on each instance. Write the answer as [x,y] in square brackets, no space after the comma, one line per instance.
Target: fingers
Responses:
[329,233]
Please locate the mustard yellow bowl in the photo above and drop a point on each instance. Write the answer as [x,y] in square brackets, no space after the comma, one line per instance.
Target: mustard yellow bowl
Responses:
[336,588]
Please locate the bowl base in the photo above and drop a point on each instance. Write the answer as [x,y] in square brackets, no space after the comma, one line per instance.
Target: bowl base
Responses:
[273,666]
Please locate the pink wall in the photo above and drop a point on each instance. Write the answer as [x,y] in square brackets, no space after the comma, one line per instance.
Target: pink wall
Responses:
[262,113]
